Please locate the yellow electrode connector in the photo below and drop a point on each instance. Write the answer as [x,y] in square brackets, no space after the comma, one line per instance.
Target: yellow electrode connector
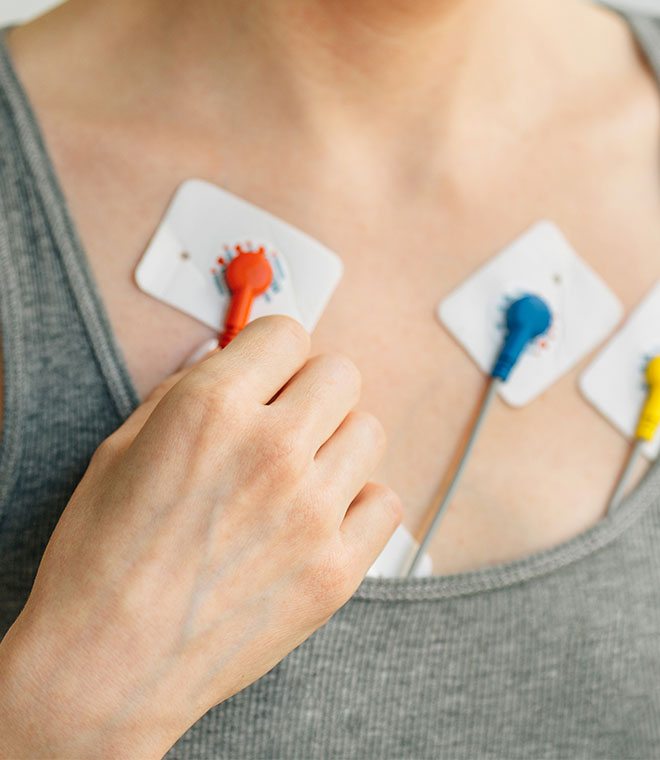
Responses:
[650,416]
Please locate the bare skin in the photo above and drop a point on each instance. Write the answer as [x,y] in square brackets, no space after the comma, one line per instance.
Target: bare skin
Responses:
[519,110]
[413,138]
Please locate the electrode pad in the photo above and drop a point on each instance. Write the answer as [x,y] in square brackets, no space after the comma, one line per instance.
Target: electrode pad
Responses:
[540,262]
[615,380]
[185,261]
[396,555]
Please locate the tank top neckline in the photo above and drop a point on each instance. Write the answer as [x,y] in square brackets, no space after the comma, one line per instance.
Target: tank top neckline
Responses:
[114,368]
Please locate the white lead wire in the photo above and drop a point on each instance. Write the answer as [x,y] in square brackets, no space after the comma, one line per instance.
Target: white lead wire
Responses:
[446,500]
[633,457]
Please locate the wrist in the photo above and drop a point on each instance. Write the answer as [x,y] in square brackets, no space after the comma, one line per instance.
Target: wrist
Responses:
[19,718]
[39,720]
[34,721]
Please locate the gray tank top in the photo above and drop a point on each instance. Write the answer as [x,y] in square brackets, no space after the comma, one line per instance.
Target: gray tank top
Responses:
[556,655]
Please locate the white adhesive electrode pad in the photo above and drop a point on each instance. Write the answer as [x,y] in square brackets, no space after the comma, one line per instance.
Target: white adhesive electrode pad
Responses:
[185,261]
[397,556]
[615,380]
[540,262]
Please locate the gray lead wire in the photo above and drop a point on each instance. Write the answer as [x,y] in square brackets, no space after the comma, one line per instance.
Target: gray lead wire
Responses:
[633,457]
[446,501]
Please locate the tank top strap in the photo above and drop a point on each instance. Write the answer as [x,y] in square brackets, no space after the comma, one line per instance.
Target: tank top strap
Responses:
[66,386]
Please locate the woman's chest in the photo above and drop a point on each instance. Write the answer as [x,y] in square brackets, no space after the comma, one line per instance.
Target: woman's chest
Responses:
[540,474]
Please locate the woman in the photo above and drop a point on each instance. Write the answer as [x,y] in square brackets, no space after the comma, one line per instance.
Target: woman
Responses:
[416,139]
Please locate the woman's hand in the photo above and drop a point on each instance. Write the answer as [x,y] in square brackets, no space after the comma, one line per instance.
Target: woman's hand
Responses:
[226,520]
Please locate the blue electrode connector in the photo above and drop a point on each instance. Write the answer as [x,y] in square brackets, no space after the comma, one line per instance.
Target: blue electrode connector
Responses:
[526,319]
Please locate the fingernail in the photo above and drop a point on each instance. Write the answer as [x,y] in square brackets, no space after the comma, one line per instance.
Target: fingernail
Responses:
[200,353]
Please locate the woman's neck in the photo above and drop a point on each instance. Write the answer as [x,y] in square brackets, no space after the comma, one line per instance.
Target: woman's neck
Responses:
[373,67]
[401,79]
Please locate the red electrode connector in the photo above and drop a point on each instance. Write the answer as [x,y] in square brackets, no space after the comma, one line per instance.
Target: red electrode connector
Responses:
[248,275]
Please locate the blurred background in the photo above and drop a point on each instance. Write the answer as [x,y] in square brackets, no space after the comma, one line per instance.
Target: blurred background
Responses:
[21,10]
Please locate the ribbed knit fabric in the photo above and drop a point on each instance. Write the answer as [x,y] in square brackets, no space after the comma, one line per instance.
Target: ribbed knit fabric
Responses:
[553,656]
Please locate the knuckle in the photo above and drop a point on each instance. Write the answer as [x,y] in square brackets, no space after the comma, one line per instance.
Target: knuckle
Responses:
[281,453]
[390,501]
[286,328]
[372,426]
[209,404]
[341,369]
[313,518]
[281,448]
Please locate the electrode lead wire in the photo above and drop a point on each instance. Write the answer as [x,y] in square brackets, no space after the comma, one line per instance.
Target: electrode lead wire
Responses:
[465,456]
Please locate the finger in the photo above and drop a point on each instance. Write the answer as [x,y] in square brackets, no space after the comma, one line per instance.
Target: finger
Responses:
[369,524]
[135,422]
[272,331]
[318,397]
[349,457]
[258,362]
